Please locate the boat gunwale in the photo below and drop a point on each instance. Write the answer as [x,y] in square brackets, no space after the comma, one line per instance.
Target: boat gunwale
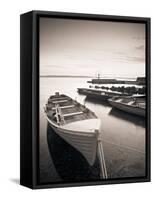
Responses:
[121,103]
[81,133]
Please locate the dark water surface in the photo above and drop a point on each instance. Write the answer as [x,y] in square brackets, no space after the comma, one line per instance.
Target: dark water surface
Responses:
[123,139]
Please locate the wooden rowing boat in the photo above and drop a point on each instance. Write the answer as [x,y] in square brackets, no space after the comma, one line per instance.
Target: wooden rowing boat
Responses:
[75,123]
[130,105]
[102,95]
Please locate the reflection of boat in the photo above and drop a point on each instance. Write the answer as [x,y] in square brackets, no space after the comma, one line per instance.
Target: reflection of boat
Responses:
[129,104]
[75,123]
[139,121]
[69,163]
[96,101]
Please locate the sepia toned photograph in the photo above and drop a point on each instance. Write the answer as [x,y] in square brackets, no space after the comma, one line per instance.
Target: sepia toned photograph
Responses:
[92,100]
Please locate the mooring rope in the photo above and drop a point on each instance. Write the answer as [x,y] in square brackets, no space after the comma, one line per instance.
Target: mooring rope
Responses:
[103,172]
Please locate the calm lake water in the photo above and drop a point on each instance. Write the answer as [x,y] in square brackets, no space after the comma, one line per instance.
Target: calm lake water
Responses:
[123,139]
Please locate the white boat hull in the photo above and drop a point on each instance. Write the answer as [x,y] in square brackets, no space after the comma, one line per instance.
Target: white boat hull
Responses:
[127,108]
[83,138]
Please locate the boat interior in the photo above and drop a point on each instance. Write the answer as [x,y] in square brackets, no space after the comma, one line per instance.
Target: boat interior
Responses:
[137,102]
[62,110]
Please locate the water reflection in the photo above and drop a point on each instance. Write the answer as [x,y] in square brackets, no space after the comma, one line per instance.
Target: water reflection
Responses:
[69,163]
[123,139]
[139,121]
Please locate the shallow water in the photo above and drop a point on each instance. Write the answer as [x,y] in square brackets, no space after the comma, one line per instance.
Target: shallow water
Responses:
[123,139]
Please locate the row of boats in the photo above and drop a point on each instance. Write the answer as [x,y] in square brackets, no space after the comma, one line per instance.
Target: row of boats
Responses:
[133,104]
[78,125]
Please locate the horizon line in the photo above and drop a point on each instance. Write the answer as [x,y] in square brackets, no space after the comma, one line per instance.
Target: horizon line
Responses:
[65,76]
[80,76]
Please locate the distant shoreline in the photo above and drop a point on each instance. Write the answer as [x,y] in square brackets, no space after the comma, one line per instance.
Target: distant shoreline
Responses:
[58,76]
[70,76]
[62,76]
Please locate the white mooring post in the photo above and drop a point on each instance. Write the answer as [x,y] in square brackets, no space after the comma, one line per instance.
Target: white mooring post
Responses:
[103,170]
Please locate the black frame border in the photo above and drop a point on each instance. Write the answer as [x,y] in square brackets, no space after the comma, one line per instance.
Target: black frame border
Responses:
[35,96]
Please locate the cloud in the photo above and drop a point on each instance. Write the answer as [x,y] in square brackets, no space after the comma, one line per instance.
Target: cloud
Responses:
[140,47]
[139,38]
[135,59]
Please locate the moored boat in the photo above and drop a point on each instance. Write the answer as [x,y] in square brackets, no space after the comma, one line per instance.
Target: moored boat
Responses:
[103,95]
[75,123]
[132,105]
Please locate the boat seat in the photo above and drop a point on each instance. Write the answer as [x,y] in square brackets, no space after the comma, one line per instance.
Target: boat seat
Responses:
[118,100]
[72,114]
[60,98]
[130,103]
[63,107]
[60,101]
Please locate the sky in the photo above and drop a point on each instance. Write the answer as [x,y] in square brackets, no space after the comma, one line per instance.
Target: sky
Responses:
[86,48]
